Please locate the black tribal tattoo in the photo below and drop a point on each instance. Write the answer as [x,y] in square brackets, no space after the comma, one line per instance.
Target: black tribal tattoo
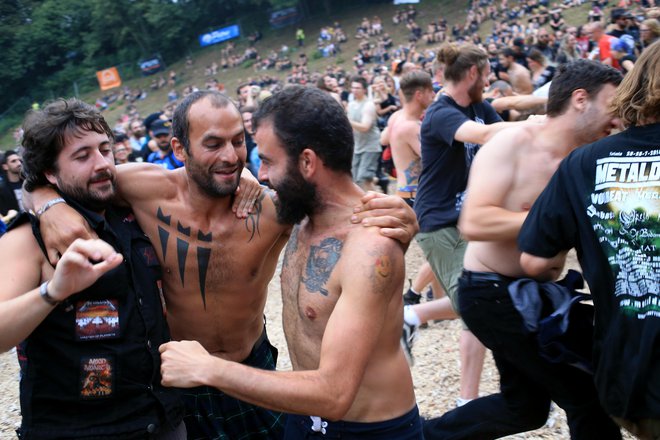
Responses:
[252,220]
[320,263]
[182,246]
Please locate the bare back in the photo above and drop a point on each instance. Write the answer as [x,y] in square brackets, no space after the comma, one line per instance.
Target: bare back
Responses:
[216,267]
[405,144]
[342,314]
[509,172]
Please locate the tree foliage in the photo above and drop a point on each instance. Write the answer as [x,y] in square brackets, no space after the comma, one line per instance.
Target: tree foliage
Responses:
[46,45]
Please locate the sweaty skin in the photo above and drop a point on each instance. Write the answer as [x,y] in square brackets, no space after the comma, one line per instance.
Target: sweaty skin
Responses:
[216,267]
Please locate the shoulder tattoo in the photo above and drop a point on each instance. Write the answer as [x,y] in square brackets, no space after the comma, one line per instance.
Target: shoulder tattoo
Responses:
[252,220]
[320,263]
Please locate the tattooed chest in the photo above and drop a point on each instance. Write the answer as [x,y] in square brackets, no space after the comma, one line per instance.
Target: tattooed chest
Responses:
[194,259]
[307,277]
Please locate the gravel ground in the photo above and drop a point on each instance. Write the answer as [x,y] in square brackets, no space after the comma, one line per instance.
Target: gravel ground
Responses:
[436,372]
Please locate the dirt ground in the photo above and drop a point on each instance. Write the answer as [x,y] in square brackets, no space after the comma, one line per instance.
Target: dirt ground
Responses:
[436,370]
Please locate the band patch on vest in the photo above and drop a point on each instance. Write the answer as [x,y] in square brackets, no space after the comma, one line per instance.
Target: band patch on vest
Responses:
[97,319]
[96,377]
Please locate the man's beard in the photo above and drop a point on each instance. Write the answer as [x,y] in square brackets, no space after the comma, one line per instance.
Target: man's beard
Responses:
[205,181]
[90,199]
[296,198]
[476,92]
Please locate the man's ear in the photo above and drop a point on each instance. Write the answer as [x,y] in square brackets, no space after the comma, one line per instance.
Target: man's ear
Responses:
[308,162]
[50,176]
[5,167]
[473,72]
[177,148]
[579,99]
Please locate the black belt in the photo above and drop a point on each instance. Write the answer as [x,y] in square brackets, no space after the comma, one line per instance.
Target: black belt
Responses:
[485,277]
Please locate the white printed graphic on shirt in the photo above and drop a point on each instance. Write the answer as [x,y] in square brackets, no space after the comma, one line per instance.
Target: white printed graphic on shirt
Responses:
[625,214]
[470,151]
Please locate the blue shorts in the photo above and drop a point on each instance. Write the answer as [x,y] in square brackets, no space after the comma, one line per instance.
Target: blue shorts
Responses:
[406,427]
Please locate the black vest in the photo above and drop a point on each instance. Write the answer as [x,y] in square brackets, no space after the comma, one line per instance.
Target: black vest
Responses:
[92,367]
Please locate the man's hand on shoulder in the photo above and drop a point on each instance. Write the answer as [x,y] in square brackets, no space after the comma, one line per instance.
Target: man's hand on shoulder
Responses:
[248,192]
[391,214]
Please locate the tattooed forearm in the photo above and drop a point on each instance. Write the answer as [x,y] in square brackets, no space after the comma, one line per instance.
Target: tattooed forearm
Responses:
[320,263]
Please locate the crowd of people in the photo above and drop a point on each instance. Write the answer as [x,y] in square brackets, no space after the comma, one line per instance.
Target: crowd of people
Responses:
[172,333]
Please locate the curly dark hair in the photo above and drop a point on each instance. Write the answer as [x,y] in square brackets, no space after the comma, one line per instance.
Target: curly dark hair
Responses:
[45,133]
[306,117]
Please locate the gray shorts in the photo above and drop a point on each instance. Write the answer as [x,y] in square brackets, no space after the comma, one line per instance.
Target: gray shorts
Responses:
[444,250]
[365,166]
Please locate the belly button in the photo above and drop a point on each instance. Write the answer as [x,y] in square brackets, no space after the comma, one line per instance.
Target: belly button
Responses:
[310,313]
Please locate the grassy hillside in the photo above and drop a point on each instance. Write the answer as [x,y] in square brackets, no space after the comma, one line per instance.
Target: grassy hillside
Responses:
[428,10]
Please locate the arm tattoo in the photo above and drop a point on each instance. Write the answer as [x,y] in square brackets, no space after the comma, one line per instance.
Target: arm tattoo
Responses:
[182,246]
[320,263]
[252,220]
[383,266]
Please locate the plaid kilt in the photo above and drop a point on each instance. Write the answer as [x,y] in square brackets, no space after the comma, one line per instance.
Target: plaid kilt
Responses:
[212,414]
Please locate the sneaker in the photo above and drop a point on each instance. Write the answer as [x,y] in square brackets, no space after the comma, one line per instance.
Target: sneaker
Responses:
[411,298]
[408,337]
[429,294]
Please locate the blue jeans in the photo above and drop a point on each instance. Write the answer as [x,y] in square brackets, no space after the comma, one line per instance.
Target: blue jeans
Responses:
[527,382]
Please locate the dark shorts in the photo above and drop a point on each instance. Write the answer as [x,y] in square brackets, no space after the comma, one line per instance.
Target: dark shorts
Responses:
[406,427]
[211,414]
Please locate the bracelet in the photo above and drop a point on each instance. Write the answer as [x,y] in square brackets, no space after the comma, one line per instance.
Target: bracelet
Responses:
[43,291]
[49,204]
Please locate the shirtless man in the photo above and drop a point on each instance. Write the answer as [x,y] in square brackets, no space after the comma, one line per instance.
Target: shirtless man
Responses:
[507,175]
[402,134]
[340,291]
[516,74]
[216,267]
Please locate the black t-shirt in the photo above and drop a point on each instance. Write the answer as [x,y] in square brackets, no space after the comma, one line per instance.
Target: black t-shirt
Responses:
[11,196]
[604,200]
[445,161]
[545,77]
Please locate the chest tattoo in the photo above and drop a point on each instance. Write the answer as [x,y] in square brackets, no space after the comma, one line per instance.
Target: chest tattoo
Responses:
[320,263]
[291,246]
[184,236]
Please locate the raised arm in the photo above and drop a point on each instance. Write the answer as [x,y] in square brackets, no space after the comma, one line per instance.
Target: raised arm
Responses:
[482,216]
[23,306]
[60,224]
[368,119]
[349,340]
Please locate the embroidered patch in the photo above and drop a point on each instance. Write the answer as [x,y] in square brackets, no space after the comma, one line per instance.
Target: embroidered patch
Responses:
[97,319]
[96,377]
[148,254]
